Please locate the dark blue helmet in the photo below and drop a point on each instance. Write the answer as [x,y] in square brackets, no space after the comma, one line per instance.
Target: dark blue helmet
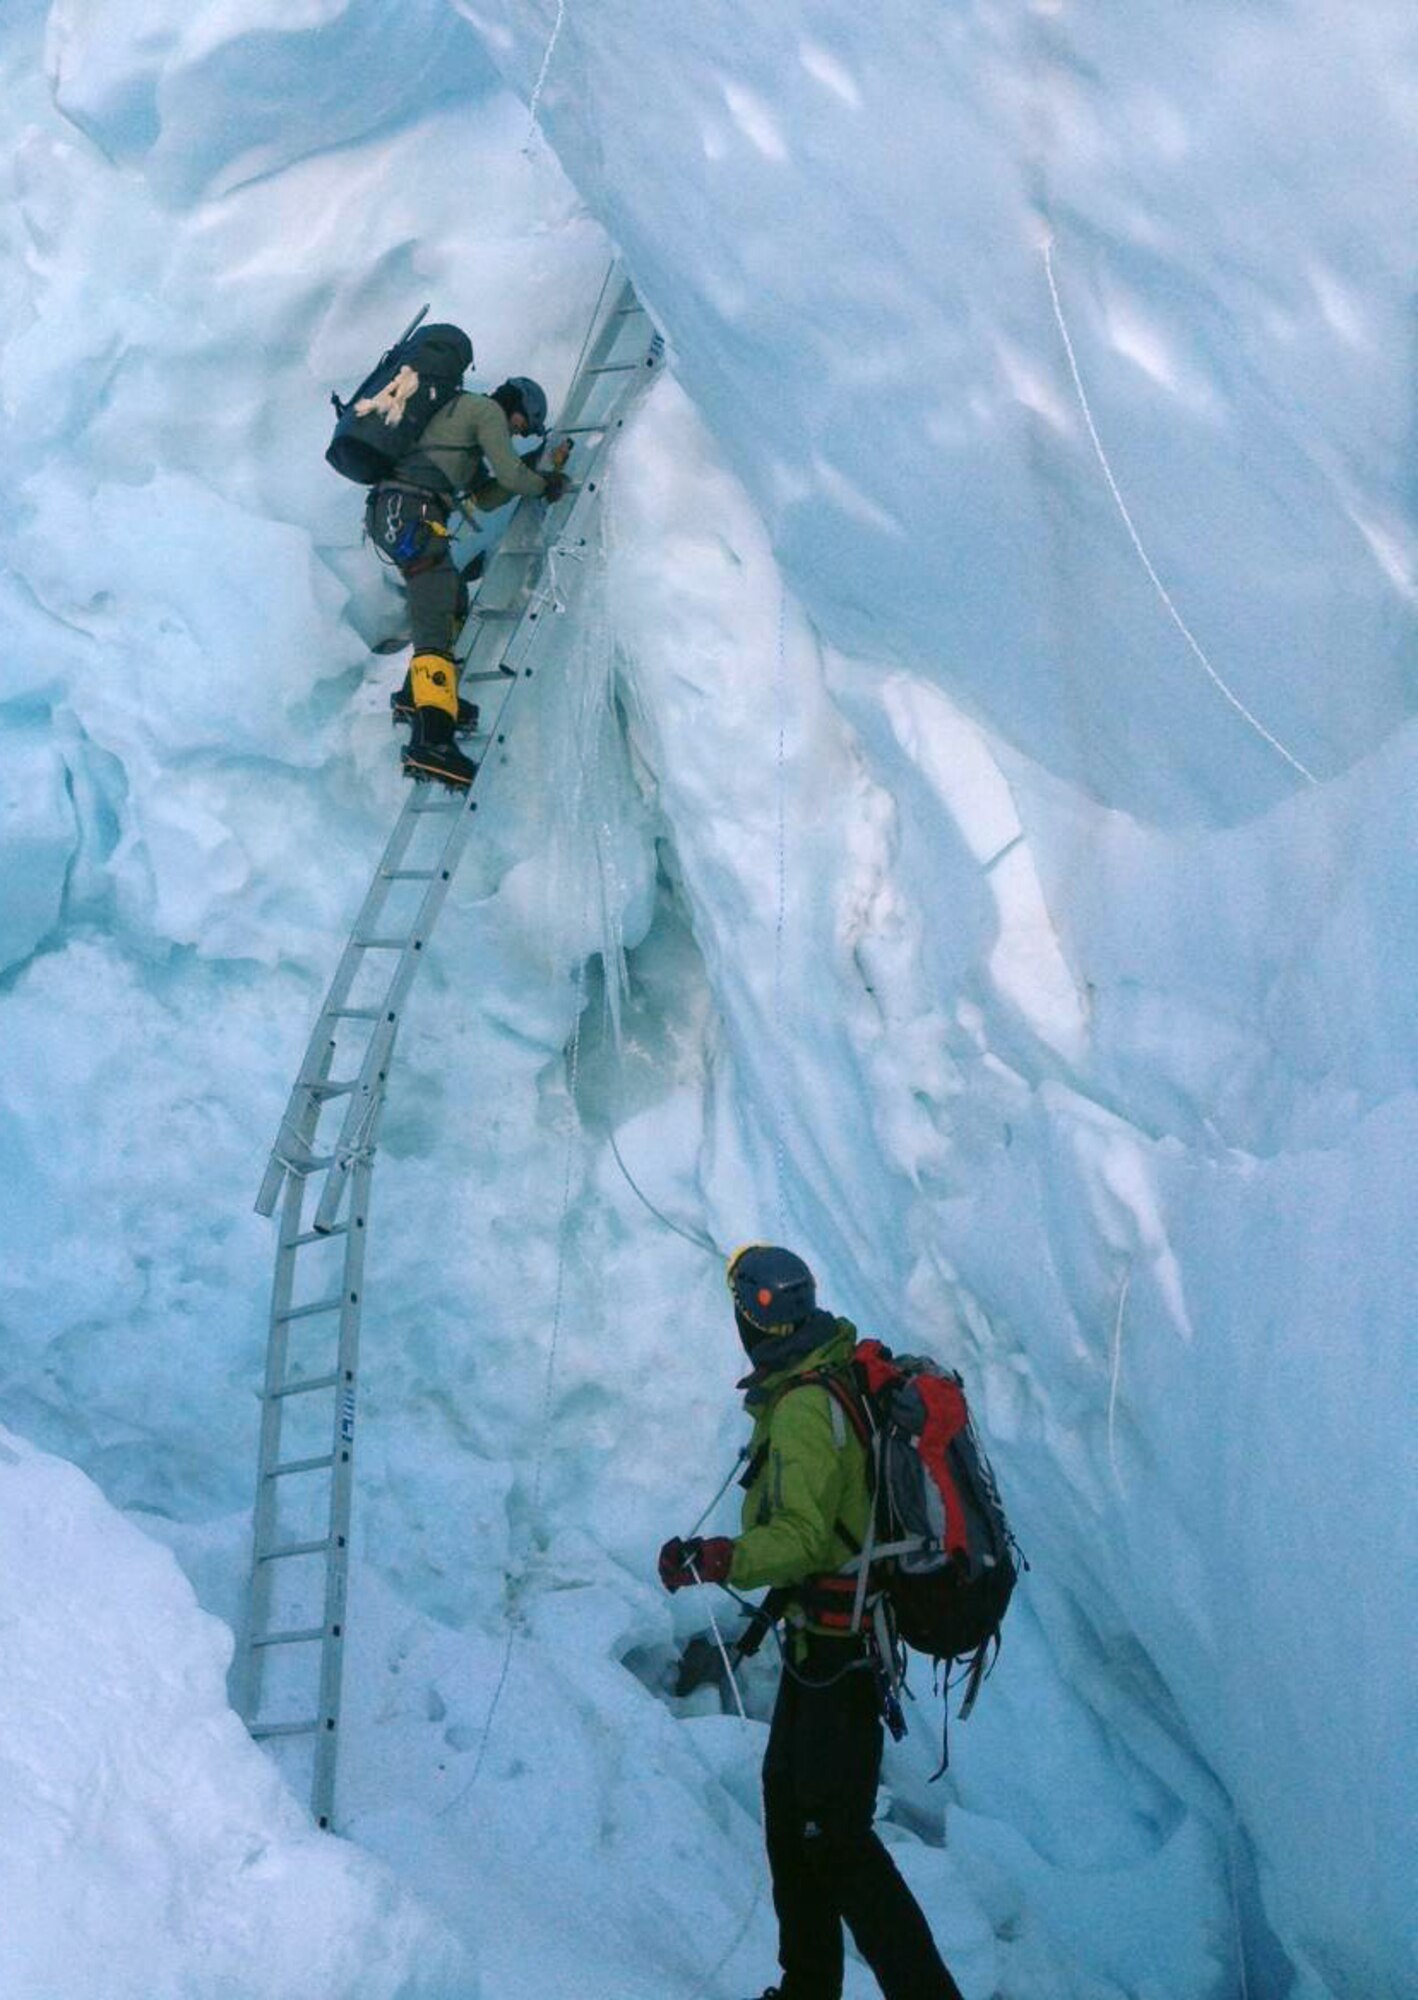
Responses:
[773,1290]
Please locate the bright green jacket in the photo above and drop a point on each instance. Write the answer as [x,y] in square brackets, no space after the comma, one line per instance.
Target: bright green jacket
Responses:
[811,1480]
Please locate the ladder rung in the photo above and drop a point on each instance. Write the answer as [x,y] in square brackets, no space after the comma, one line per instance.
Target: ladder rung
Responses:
[306,1385]
[616,368]
[355,1013]
[587,430]
[315,1236]
[494,674]
[285,1549]
[261,1730]
[310,1311]
[301,1465]
[382,943]
[317,1088]
[408,874]
[300,1638]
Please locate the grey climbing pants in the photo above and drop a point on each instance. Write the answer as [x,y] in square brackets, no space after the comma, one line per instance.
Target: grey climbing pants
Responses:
[409,526]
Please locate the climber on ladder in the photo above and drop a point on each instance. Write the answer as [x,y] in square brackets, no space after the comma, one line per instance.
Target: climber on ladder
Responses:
[423,444]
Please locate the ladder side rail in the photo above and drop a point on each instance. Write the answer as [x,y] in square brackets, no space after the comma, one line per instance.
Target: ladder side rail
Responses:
[337,1561]
[614,325]
[247,1693]
[355,1142]
[637,359]
[518,590]
[337,993]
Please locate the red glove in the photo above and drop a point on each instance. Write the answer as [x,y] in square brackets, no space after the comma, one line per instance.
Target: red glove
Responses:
[695,1561]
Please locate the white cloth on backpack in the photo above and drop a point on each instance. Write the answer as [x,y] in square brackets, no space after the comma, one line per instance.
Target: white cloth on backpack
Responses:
[391,399]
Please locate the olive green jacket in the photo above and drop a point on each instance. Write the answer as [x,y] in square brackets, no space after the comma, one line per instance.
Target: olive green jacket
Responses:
[467,446]
[809,1478]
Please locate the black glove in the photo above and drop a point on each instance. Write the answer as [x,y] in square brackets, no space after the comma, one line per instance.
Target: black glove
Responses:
[556,485]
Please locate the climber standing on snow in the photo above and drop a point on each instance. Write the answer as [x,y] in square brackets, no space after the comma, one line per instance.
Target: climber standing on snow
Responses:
[805,1515]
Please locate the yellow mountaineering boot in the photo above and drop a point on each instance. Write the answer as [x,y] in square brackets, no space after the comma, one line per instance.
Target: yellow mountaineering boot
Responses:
[402,702]
[432,752]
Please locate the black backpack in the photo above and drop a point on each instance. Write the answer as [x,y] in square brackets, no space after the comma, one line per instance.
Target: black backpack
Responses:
[940,1547]
[386,415]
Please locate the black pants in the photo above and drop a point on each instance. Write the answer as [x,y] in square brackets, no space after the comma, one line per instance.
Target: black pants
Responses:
[829,1867]
[405,524]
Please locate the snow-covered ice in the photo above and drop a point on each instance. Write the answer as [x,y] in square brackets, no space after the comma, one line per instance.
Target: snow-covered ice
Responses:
[966,831]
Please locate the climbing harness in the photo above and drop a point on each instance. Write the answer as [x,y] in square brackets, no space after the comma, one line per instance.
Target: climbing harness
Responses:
[321,1178]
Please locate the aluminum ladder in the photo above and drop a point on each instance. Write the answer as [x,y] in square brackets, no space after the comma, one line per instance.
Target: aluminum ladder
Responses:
[286,1674]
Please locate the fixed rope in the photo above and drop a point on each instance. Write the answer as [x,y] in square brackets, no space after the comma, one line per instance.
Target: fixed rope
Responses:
[780,1149]
[1169,606]
[690,1236]
[1117,1370]
[538,86]
[516,1582]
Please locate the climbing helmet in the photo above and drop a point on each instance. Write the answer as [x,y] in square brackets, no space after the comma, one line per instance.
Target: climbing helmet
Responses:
[772,1289]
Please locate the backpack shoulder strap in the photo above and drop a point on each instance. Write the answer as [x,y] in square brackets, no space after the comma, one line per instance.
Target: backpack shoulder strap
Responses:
[844,1400]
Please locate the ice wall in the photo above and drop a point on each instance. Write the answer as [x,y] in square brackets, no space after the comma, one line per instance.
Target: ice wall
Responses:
[976,939]
[1103,827]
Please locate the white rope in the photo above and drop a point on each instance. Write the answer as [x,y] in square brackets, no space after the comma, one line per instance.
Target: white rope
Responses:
[723,1649]
[550,591]
[542,72]
[690,1236]
[1117,1370]
[572,1127]
[516,1579]
[1236,1904]
[779,1049]
[1143,557]
[728,1479]
[751,1912]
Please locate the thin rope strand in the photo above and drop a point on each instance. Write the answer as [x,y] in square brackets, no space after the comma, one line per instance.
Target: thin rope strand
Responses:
[699,1242]
[591,325]
[1123,1290]
[544,1424]
[780,1137]
[572,1127]
[1143,557]
[719,1642]
[546,65]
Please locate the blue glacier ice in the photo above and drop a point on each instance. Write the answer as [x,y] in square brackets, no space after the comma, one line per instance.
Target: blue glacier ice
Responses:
[965,830]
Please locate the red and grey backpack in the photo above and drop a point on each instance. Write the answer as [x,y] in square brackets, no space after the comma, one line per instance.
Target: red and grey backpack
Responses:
[938,1545]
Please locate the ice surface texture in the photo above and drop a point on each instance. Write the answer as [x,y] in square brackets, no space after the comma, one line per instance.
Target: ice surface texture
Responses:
[943,917]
